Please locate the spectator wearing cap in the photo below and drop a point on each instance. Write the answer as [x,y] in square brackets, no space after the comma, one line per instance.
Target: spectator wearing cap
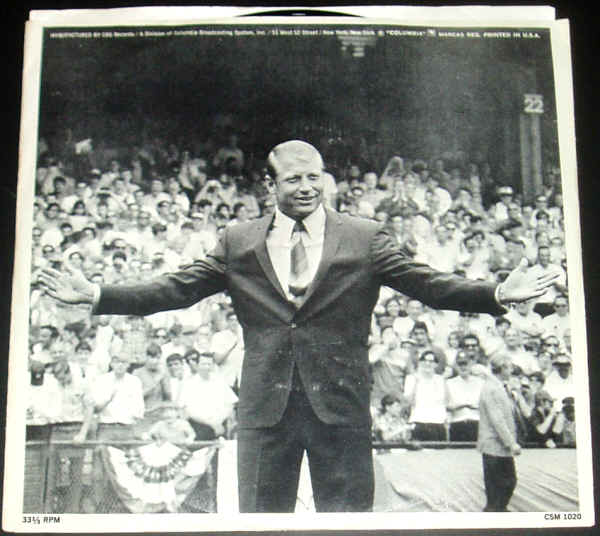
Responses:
[499,211]
[559,383]
[427,394]
[544,305]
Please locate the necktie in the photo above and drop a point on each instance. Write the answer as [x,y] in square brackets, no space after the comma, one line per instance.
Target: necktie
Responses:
[299,273]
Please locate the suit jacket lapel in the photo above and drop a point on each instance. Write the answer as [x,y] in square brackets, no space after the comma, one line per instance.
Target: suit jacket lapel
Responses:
[262,254]
[333,235]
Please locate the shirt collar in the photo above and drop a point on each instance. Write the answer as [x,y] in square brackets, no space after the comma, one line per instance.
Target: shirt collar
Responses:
[314,222]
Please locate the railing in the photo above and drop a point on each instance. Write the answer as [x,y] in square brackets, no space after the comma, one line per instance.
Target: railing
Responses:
[59,473]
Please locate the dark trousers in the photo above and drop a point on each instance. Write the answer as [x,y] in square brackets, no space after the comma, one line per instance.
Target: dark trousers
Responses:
[500,479]
[429,431]
[464,430]
[339,457]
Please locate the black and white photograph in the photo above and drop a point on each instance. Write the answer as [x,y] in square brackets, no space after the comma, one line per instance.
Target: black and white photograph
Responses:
[296,265]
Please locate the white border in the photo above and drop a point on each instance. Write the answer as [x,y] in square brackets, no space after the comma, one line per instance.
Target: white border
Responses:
[536,17]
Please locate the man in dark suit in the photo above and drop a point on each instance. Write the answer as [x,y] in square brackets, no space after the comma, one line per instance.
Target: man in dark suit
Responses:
[303,283]
[497,436]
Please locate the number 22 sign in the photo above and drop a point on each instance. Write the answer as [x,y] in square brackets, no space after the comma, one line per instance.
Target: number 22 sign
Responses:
[533,103]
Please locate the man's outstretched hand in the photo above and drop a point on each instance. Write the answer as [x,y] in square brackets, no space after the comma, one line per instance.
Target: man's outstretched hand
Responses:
[68,286]
[522,284]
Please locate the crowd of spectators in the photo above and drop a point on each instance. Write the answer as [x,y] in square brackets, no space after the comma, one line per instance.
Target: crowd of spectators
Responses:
[127,214]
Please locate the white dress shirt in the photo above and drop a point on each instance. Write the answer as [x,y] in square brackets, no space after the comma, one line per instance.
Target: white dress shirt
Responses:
[279,244]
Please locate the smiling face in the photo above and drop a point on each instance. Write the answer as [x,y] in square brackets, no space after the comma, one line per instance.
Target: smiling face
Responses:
[299,181]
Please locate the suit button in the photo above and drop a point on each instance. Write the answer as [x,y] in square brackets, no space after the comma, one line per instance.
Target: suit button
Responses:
[294,325]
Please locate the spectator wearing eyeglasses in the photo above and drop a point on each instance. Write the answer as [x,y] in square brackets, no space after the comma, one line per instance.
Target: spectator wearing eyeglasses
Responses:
[464,390]
[470,344]
[427,395]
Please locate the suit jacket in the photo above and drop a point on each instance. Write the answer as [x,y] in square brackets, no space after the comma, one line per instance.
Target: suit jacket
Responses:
[497,425]
[326,337]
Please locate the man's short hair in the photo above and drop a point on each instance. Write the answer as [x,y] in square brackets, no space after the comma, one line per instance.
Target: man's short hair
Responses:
[158,228]
[191,355]
[174,357]
[420,325]
[301,149]
[153,349]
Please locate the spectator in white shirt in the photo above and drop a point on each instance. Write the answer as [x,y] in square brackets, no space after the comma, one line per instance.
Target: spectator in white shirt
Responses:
[523,318]
[427,394]
[558,322]
[544,305]
[517,352]
[463,400]
[404,325]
